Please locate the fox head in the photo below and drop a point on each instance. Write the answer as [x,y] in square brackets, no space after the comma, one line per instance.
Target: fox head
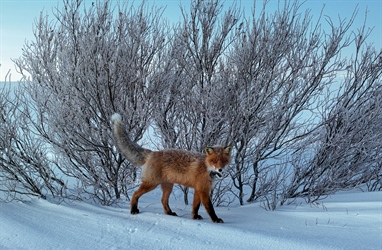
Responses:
[217,158]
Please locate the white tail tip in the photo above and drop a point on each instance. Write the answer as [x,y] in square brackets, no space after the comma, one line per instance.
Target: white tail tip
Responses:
[116,118]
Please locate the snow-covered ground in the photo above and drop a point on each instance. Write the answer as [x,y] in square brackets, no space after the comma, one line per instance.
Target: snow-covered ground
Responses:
[351,220]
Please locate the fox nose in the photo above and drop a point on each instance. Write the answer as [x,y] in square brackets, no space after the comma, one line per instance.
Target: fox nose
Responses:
[220,170]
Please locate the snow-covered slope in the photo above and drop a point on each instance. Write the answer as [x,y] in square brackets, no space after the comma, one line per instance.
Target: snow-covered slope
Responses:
[343,221]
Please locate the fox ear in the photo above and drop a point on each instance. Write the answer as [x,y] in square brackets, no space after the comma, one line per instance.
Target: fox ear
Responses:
[228,150]
[209,150]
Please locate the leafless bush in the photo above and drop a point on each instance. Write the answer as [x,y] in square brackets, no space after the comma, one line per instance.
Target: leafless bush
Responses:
[25,168]
[346,151]
[281,63]
[85,65]
[191,112]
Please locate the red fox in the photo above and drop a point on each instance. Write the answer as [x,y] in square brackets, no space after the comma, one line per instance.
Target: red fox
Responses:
[170,166]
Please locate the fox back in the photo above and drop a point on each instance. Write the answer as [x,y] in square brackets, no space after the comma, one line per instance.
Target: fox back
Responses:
[184,167]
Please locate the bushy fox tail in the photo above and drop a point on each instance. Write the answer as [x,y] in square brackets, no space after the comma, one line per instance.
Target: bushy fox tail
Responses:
[131,150]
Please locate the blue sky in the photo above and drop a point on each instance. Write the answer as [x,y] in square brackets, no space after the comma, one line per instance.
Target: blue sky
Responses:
[17,19]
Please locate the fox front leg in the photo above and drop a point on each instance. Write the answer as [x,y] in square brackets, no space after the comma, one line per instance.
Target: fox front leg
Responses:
[205,198]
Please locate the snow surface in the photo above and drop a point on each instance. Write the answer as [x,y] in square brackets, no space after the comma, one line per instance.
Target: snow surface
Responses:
[342,221]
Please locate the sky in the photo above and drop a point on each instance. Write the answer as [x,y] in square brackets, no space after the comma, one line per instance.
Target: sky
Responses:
[17,18]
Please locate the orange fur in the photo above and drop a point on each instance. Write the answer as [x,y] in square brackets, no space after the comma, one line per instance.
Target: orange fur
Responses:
[167,167]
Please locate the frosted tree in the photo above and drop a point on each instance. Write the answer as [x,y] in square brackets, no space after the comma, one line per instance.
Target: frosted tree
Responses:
[282,62]
[191,112]
[25,167]
[85,64]
[346,150]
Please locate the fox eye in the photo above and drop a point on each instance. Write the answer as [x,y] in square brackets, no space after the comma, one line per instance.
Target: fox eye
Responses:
[214,161]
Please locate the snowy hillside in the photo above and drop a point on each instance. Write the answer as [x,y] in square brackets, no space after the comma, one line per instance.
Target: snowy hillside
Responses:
[342,221]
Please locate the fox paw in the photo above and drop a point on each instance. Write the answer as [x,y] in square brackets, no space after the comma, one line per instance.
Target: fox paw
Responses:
[218,220]
[134,211]
[172,213]
[197,217]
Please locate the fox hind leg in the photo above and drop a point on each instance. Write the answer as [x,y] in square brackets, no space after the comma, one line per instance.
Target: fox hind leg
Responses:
[166,189]
[145,187]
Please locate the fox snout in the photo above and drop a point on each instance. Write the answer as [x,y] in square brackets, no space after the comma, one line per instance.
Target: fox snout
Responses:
[219,172]
[215,169]
[215,172]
